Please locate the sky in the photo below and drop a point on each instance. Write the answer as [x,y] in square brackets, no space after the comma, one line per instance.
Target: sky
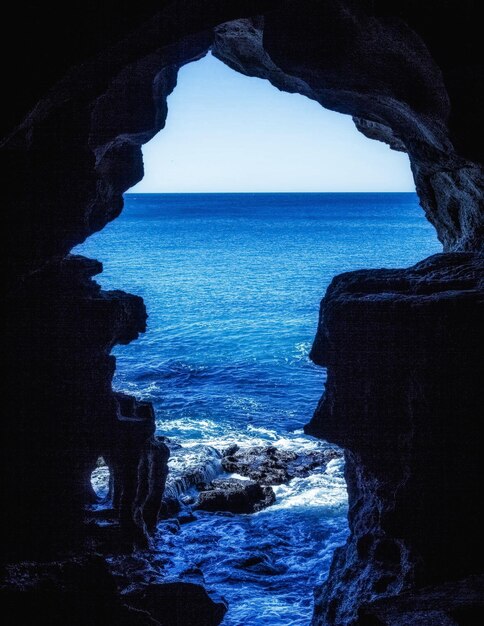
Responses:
[226,132]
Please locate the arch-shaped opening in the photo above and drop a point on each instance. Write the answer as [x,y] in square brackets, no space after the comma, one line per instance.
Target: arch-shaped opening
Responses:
[100,480]
[232,283]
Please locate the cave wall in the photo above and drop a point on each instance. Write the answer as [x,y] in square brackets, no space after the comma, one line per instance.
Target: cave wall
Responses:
[67,164]
[84,99]
[403,348]
[381,72]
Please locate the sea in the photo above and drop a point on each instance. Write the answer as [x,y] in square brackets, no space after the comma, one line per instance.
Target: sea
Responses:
[232,284]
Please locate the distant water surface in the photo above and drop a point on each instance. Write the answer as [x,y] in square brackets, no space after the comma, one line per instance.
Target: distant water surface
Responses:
[232,284]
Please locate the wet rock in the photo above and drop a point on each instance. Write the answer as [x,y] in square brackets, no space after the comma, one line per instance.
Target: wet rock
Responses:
[230,450]
[171,526]
[259,564]
[179,604]
[271,466]
[83,591]
[186,516]
[170,507]
[235,496]
[188,467]
[139,466]
[171,443]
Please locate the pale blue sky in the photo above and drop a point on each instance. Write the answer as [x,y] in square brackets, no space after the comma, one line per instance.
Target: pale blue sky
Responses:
[226,132]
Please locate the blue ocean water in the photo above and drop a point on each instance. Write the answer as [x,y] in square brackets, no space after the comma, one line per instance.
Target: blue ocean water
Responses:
[232,284]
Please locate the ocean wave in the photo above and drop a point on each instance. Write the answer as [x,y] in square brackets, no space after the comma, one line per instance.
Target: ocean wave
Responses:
[220,434]
[225,360]
[268,368]
[322,490]
[265,564]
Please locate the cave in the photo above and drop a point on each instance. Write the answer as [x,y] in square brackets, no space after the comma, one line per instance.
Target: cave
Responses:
[411,338]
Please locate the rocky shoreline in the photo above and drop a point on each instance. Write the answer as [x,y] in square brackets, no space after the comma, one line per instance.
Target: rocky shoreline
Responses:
[135,588]
[237,479]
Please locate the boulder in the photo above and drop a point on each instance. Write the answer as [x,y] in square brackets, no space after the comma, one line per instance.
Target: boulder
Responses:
[272,466]
[178,604]
[236,496]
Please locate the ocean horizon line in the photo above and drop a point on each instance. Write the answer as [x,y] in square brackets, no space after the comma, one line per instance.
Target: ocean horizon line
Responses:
[260,193]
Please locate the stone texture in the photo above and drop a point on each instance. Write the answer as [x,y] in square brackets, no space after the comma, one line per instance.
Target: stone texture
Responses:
[377,68]
[402,348]
[270,466]
[458,603]
[235,496]
[139,467]
[78,591]
[77,148]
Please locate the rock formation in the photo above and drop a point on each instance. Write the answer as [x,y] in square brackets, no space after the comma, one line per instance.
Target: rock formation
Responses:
[389,339]
[83,94]
[235,495]
[271,466]
[83,591]
[62,329]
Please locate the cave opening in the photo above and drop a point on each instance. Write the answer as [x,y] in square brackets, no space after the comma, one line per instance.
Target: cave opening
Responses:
[101,480]
[219,239]
[400,346]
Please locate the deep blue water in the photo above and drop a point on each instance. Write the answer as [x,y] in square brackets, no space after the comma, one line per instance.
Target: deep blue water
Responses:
[232,284]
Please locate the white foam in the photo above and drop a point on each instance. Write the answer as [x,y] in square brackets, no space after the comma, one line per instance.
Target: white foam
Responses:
[323,489]
[100,481]
[189,466]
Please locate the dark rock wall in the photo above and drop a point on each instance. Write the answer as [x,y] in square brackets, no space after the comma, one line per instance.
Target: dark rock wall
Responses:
[83,591]
[66,165]
[401,397]
[402,349]
[63,414]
